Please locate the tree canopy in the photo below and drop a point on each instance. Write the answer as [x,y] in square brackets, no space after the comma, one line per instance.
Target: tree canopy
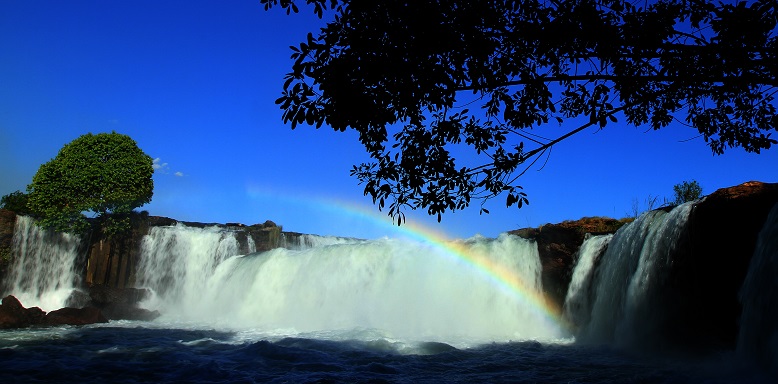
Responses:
[417,79]
[104,173]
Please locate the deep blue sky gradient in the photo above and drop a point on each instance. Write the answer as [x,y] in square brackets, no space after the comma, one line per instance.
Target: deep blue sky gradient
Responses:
[194,83]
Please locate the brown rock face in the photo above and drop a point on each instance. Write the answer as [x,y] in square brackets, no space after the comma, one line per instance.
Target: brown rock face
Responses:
[557,247]
[113,262]
[127,312]
[7,223]
[74,316]
[706,280]
[14,315]
[121,303]
[104,295]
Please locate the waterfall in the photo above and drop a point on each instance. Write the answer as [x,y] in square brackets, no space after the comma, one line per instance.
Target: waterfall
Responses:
[758,338]
[176,261]
[403,289]
[630,281]
[304,241]
[43,273]
[251,244]
[578,302]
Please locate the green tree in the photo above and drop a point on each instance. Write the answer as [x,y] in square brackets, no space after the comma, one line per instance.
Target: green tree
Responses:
[15,201]
[687,191]
[401,73]
[106,174]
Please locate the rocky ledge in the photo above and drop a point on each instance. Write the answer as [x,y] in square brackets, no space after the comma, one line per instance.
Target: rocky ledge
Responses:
[14,315]
[99,305]
[114,303]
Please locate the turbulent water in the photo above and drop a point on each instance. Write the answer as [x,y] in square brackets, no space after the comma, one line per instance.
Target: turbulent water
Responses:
[345,310]
[162,353]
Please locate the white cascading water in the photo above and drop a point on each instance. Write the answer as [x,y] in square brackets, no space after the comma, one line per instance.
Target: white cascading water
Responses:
[758,338]
[578,302]
[251,244]
[305,241]
[629,280]
[399,289]
[43,272]
[176,261]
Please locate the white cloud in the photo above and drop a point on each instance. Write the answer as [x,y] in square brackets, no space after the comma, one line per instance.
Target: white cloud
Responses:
[163,168]
[158,165]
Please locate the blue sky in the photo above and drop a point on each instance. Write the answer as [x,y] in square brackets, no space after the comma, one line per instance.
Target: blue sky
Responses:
[194,83]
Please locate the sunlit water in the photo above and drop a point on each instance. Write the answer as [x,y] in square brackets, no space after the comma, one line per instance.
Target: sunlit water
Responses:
[362,311]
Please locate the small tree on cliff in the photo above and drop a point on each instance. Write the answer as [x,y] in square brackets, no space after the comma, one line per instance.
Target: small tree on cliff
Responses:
[105,174]
[687,191]
[402,73]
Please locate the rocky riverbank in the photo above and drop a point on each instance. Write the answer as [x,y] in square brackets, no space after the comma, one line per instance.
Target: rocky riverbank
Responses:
[97,304]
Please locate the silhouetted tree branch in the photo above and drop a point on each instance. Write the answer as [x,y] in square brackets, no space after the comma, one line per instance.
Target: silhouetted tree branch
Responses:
[398,73]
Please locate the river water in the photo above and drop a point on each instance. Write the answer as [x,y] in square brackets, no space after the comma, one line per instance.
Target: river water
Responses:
[135,352]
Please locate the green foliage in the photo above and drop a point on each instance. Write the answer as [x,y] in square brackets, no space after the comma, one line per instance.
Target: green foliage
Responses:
[401,72]
[687,191]
[15,201]
[106,174]
[115,224]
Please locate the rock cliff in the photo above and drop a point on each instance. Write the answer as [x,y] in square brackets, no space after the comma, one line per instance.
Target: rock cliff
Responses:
[7,222]
[706,279]
[112,262]
[14,315]
[558,245]
[708,270]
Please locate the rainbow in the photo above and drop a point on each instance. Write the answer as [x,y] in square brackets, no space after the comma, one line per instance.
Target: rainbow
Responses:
[501,276]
